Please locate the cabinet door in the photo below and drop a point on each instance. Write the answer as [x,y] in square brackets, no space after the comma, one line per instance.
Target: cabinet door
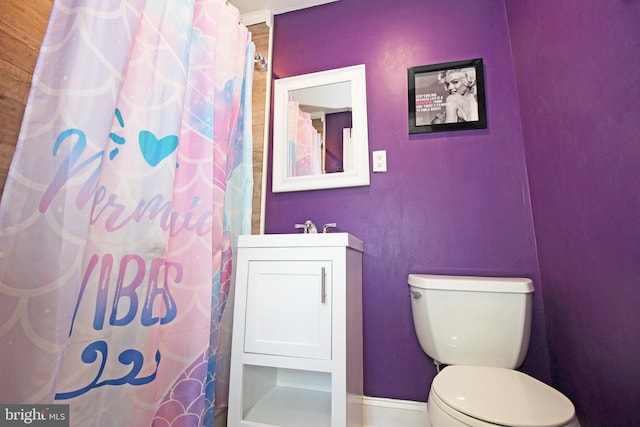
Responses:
[289,308]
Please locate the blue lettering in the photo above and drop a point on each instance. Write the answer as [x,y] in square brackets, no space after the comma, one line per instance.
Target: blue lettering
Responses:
[127,357]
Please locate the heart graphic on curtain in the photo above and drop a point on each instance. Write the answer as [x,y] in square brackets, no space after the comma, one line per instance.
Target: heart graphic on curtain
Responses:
[154,150]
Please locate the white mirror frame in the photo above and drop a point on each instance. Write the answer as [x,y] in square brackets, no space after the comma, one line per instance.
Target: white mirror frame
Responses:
[359,173]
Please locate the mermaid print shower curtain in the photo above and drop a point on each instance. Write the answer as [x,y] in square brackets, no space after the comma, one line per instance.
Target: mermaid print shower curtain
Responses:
[303,141]
[130,181]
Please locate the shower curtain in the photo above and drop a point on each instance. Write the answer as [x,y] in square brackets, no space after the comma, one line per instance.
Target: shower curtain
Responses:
[304,142]
[131,178]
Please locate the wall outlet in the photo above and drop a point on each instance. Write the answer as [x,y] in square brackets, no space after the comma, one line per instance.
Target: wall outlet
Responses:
[380,161]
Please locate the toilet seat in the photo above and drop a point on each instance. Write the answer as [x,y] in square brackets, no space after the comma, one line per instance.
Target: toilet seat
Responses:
[498,396]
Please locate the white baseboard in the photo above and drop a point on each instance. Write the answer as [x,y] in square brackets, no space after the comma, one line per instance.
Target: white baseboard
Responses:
[380,412]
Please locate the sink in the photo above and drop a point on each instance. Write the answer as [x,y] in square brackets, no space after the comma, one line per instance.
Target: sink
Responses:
[300,240]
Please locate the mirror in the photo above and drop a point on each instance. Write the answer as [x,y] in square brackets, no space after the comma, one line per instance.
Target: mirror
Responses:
[320,137]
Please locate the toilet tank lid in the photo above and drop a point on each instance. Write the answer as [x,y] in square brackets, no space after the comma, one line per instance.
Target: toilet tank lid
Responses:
[519,285]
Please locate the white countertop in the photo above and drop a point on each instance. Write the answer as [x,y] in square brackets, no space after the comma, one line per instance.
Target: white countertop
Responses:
[300,240]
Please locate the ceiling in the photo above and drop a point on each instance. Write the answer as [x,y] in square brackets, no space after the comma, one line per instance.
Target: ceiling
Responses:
[275,6]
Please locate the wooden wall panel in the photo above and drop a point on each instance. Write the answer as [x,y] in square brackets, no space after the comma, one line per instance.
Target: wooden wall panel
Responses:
[260,37]
[22,27]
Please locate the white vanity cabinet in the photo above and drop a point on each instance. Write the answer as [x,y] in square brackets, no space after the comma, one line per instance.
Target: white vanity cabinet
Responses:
[297,331]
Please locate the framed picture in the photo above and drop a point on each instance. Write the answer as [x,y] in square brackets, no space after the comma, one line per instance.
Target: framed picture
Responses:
[447,97]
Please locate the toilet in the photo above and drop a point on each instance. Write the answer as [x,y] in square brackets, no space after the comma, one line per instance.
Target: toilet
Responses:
[478,328]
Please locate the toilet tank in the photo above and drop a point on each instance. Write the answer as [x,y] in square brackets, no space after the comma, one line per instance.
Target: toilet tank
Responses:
[465,320]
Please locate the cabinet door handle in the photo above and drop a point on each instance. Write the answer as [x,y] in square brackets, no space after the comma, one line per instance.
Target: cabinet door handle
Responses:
[323,286]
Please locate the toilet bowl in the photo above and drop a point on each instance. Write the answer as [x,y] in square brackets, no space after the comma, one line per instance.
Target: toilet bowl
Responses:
[480,328]
[480,396]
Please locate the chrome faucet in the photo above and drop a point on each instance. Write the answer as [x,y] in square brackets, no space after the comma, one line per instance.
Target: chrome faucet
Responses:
[308,226]
[327,226]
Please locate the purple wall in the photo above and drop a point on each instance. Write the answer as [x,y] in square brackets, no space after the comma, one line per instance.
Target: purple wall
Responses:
[451,203]
[580,102]
[335,125]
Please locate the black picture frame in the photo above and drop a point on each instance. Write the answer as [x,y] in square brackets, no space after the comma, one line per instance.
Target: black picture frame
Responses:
[428,97]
